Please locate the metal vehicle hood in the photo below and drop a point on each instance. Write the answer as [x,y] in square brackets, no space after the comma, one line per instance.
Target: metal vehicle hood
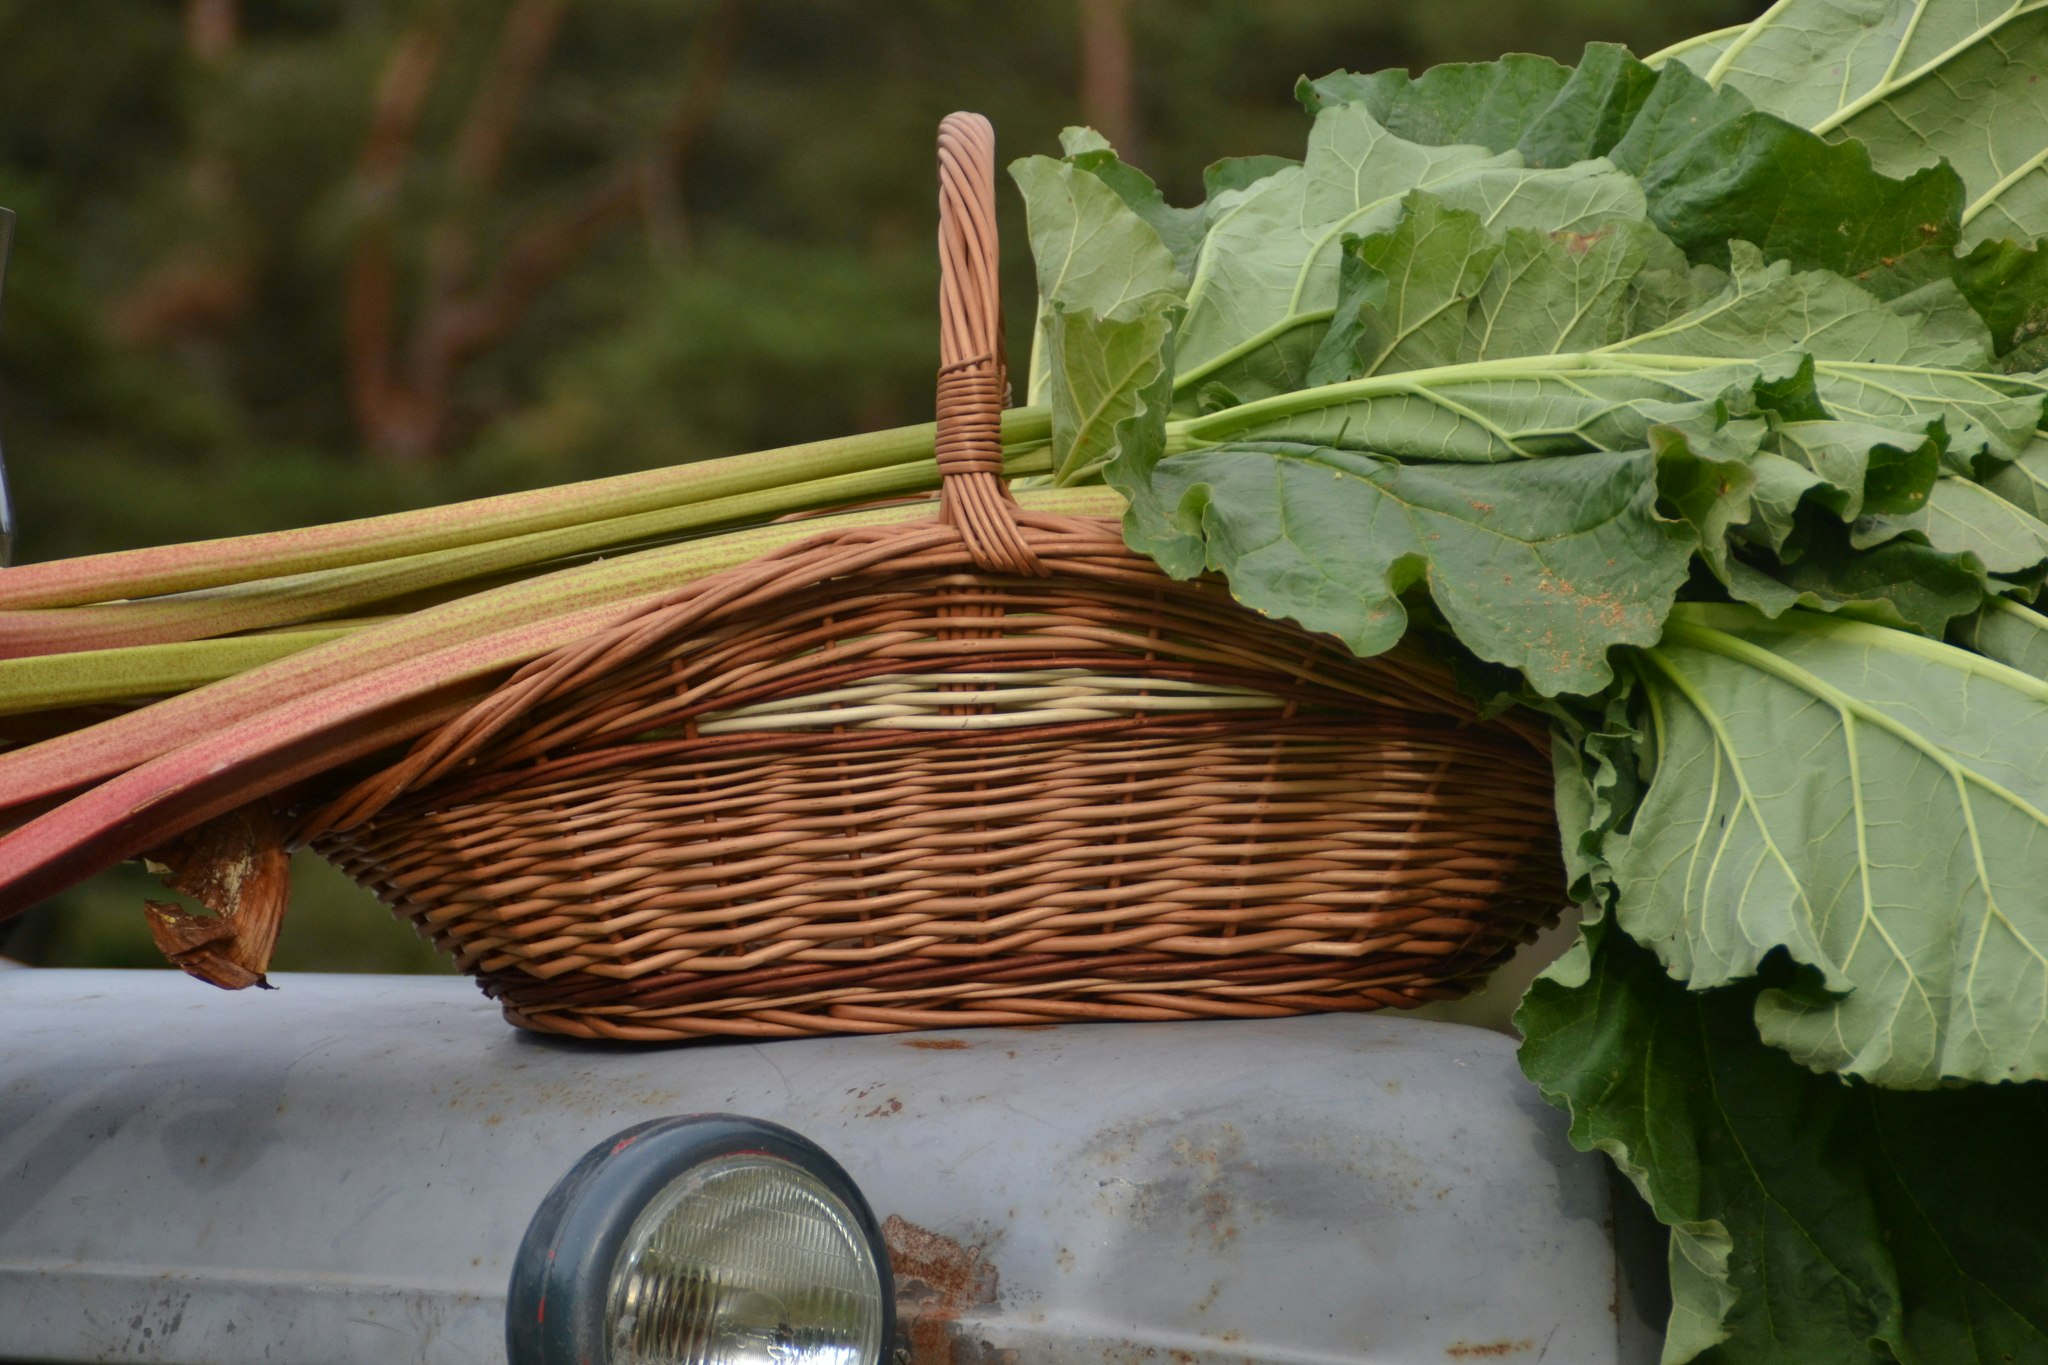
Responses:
[342,1169]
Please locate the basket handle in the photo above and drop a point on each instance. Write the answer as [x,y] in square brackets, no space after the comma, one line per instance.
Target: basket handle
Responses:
[973,369]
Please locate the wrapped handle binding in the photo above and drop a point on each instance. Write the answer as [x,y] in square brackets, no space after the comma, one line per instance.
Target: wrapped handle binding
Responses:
[973,377]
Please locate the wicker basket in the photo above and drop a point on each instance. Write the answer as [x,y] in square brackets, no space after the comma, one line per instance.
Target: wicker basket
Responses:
[987,768]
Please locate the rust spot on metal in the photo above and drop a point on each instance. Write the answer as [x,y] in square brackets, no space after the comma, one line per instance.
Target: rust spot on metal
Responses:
[935,1044]
[937,1280]
[885,1109]
[1492,1350]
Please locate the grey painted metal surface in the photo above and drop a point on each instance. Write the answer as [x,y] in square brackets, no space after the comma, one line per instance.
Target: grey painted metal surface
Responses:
[342,1170]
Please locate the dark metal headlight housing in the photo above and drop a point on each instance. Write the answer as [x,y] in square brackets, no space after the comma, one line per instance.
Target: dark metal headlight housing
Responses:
[711,1240]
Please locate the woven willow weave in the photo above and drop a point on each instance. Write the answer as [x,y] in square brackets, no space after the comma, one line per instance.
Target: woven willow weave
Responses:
[992,768]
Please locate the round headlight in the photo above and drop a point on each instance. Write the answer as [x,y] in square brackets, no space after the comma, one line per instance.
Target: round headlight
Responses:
[706,1241]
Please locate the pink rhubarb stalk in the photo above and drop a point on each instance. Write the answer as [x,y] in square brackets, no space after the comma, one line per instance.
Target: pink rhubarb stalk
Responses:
[240,559]
[289,741]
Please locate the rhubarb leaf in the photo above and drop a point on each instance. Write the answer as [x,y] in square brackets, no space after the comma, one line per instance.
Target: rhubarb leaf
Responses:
[1903,583]
[1404,294]
[1268,269]
[1869,802]
[1235,174]
[1812,1221]
[1540,565]
[1512,409]
[1180,230]
[2023,482]
[1476,104]
[2008,286]
[1095,253]
[1863,468]
[1713,168]
[1962,517]
[1110,386]
[1441,288]
[2011,634]
[1916,82]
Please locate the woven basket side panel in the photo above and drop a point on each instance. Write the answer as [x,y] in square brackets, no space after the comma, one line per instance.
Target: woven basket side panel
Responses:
[840,633]
[1156,868]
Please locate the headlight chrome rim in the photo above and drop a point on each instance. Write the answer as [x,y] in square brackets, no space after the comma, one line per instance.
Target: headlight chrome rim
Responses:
[562,1279]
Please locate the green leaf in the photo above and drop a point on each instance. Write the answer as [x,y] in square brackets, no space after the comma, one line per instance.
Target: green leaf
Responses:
[1593,112]
[1812,1221]
[1897,366]
[1716,170]
[2011,634]
[1877,366]
[1598,784]
[2008,285]
[1713,167]
[1541,566]
[1767,308]
[1934,80]
[1562,292]
[1869,802]
[1782,487]
[1269,263]
[1478,104]
[1863,468]
[1180,230]
[2024,481]
[1699,51]
[1234,174]
[1093,251]
[1266,279]
[1962,517]
[1705,479]
[1405,293]
[1903,584]
[1817,478]
[1111,384]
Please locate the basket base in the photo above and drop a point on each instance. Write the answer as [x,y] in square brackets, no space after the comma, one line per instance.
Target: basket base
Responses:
[1022,993]
[1178,870]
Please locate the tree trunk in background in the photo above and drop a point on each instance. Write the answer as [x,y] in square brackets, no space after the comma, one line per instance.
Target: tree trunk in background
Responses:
[385,409]
[203,287]
[403,389]
[1108,102]
[211,27]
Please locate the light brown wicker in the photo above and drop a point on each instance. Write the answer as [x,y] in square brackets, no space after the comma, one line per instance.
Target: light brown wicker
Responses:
[990,768]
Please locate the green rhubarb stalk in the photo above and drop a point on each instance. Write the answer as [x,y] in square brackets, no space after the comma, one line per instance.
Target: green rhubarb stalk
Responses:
[275,602]
[583,598]
[60,764]
[277,740]
[240,559]
[111,675]
[1190,432]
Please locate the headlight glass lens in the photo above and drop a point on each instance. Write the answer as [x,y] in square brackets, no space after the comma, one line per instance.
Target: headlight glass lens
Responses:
[746,1260]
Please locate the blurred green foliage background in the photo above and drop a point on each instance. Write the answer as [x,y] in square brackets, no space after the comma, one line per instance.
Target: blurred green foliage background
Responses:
[290,261]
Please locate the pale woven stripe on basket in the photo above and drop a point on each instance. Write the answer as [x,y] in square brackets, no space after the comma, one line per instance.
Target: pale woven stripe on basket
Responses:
[932,701]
